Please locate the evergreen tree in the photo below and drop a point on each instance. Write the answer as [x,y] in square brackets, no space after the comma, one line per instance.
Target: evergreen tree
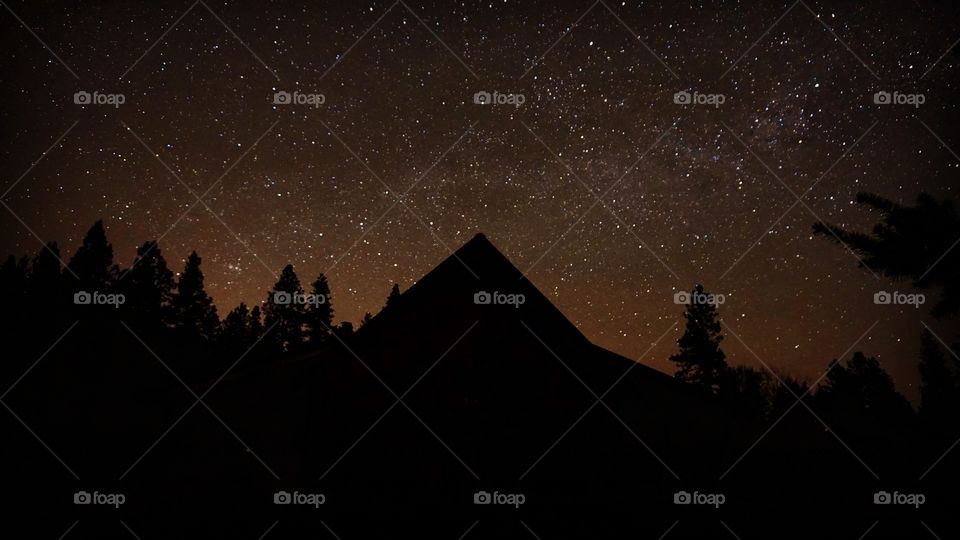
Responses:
[255,324]
[92,264]
[148,284]
[193,310]
[45,282]
[393,297]
[863,388]
[284,313]
[319,315]
[367,317]
[235,330]
[914,242]
[938,382]
[700,360]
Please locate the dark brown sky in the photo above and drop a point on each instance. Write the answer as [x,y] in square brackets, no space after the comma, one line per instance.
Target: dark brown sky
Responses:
[690,193]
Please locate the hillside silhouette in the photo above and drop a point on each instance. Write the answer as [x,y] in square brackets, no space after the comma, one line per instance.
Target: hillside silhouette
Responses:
[456,387]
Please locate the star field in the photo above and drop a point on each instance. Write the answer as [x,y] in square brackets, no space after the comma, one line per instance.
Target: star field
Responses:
[607,193]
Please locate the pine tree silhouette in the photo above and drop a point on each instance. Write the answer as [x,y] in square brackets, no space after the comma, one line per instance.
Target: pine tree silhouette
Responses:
[148,285]
[45,282]
[92,264]
[862,388]
[283,313]
[914,242]
[700,360]
[193,310]
[393,296]
[319,315]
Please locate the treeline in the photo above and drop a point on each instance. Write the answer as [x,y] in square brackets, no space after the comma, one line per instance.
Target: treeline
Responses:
[149,298]
[908,242]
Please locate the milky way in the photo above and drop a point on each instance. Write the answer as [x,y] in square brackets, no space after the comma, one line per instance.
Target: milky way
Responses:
[610,194]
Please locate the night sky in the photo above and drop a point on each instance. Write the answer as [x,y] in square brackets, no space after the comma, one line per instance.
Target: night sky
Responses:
[689,193]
